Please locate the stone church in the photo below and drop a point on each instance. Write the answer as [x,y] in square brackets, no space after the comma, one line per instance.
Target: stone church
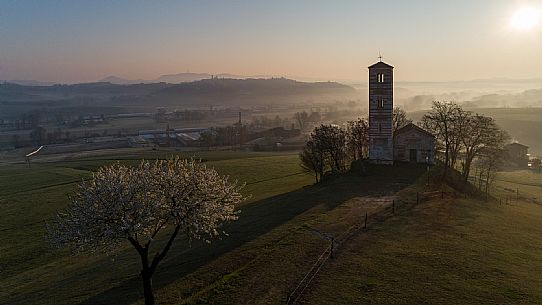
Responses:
[408,144]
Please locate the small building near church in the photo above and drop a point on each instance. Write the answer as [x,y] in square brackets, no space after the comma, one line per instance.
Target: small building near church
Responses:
[413,144]
[518,154]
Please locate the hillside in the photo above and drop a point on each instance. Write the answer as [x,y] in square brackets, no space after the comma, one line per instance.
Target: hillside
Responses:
[16,99]
[455,251]
[459,251]
[252,91]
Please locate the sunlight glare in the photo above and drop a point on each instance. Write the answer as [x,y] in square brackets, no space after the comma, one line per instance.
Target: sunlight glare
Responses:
[526,18]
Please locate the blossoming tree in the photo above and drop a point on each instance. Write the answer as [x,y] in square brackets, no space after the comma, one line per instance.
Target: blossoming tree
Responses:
[160,199]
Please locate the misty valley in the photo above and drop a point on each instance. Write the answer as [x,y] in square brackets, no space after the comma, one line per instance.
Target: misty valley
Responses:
[270,152]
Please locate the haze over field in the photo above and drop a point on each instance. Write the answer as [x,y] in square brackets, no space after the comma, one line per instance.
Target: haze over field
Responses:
[270,152]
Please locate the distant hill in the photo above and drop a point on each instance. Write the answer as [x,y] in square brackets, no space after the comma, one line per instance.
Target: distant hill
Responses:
[121,81]
[27,82]
[15,98]
[274,91]
[175,78]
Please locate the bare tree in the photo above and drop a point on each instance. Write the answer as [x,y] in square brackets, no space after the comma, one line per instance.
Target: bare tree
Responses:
[440,121]
[326,149]
[458,132]
[135,204]
[313,159]
[357,138]
[399,118]
[301,119]
[332,140]
[481,134]
[492,162]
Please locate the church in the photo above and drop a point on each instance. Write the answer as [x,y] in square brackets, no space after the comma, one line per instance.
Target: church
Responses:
[409,143]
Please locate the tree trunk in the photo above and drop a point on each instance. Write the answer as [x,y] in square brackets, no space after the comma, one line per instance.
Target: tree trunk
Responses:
[466,170]
[147,287]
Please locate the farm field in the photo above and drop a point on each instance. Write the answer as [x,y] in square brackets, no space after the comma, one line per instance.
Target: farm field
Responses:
[450,252]
[277,221]
[407,258]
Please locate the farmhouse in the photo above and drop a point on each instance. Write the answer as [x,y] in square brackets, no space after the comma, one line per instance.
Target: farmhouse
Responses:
[410,143]
[518,154]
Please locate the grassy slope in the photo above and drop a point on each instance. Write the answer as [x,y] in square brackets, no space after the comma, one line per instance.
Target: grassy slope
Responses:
[31,271]
[249,266]
[460,251]
[266,269]
[528,182]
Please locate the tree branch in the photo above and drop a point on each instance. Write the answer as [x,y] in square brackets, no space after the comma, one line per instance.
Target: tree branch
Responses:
[159,256]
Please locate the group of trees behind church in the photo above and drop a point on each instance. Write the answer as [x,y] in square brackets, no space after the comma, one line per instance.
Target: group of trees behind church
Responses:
[331,148]
[466,140]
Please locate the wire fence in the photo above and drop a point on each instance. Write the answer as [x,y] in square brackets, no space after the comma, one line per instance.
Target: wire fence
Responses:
[514,195]
[335,242]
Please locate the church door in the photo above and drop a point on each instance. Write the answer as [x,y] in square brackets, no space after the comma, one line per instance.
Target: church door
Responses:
[413,155]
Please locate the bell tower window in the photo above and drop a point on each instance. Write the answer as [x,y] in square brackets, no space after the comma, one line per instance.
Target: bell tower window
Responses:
[380,103]
[380,77]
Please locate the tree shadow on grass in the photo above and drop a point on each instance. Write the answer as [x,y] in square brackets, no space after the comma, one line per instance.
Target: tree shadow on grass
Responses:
[257,219]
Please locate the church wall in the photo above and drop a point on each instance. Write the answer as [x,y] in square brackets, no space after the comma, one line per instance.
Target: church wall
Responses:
[414,140]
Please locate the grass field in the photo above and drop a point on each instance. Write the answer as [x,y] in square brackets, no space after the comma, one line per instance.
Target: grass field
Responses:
[460,251]
[528,182]
[443,252]
[29,196]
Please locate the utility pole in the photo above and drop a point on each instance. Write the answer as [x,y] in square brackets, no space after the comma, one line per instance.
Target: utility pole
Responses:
[240,126]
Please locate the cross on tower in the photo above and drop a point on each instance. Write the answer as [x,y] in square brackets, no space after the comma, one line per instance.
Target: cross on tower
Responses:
[379,56]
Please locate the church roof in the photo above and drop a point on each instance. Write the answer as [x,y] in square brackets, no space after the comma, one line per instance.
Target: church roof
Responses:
[517,145]
[380,65]
[411,126]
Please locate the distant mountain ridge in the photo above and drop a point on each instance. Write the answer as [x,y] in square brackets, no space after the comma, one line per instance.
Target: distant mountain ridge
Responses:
[217,91]
[177,78]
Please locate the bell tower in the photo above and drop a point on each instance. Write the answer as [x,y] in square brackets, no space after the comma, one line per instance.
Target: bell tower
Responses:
[381,113]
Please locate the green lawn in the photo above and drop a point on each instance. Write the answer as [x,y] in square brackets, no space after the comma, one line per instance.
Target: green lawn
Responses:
[34,273]
[459,251]
[249,265]
[528,182]
[452,251]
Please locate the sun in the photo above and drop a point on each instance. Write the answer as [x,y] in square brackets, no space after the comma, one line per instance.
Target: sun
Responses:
[526,18]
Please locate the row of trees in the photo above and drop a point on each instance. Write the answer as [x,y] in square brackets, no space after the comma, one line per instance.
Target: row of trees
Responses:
[465,139]
[331,148]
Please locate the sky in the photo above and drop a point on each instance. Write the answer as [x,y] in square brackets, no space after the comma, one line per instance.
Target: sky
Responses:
[81,41]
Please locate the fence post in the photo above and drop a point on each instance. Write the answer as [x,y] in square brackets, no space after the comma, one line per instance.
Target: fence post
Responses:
[517,193]
[417,197]
[365,224]
[393,206]
[332,245]
[441,194]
